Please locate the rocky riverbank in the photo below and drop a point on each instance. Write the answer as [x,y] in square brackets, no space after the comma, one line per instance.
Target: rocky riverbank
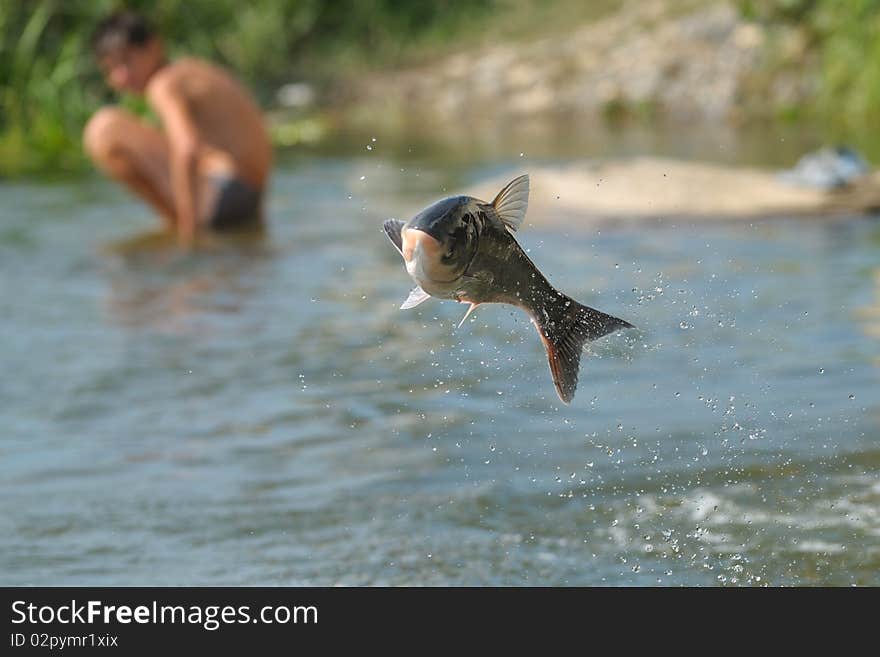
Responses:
[683,60]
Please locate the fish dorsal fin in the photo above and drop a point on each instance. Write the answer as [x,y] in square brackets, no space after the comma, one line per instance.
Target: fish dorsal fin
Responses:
[417,296]
[393,228]
[512,202]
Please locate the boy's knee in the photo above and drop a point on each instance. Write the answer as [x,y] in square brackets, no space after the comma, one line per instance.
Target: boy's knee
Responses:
[105,132]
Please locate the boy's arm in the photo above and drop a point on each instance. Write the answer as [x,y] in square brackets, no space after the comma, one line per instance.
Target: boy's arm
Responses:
[183,146]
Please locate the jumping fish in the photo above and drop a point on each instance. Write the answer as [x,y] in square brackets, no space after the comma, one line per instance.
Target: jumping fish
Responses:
[462,248]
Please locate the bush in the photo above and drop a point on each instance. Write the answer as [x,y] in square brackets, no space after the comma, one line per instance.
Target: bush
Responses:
[49,84]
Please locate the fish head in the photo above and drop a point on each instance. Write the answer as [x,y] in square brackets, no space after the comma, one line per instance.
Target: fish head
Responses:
[441,240]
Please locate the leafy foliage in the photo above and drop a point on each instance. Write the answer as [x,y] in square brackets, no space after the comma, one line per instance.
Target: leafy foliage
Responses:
[49,84]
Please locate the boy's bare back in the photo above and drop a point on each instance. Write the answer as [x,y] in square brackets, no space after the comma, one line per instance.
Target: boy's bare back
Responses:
[229,124]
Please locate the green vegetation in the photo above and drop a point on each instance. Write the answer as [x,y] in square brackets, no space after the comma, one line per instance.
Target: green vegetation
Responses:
[839,42]
[49,84]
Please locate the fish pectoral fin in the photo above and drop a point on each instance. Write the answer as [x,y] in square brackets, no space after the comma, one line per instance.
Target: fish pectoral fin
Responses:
[417,296]
[467,314]
[512,202]
[393,229]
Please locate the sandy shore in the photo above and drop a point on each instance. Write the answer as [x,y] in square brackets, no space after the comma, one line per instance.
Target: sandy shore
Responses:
[645,188]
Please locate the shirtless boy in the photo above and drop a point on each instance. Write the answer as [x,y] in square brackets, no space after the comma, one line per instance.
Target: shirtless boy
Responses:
[207,167]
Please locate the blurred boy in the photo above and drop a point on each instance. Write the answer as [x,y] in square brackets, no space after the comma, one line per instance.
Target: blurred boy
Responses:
[208,165]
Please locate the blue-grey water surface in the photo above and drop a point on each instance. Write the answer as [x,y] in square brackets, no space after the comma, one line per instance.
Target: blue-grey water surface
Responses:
[262,413]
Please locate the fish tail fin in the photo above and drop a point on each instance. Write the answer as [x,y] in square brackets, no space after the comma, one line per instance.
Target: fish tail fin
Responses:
[565,326]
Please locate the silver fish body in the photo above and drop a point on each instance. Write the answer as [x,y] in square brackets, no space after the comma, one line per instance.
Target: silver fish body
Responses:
[462,248]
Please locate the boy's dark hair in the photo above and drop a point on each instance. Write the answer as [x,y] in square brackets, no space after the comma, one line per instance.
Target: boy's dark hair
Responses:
[121,28]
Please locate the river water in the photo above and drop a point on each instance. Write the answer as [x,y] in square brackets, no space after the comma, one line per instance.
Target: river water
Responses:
[262,413]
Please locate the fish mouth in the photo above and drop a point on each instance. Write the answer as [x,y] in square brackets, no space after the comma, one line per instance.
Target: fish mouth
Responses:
[418,242]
